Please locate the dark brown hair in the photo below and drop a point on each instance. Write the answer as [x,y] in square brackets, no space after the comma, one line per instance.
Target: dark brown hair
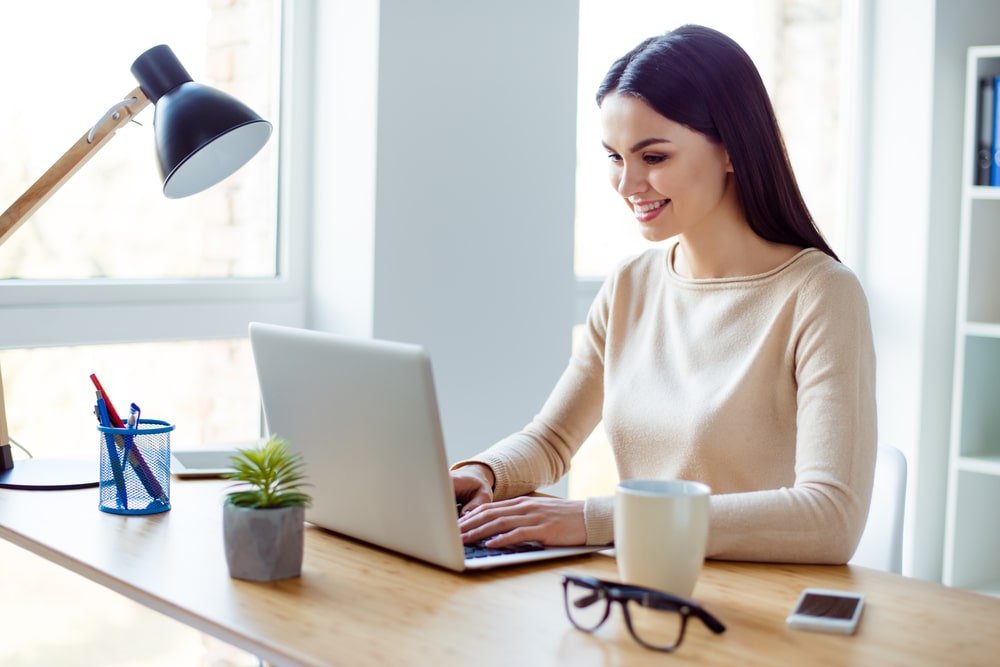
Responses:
[702,79]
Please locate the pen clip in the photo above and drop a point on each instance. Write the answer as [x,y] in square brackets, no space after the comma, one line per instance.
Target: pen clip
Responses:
[133,416]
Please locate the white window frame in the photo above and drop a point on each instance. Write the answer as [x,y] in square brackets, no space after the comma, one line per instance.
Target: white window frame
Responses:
[40,313]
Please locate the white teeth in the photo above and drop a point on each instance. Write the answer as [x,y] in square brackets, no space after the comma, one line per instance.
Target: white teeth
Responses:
[650,207]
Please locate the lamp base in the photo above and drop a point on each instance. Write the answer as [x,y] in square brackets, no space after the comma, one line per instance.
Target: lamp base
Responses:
[50,474]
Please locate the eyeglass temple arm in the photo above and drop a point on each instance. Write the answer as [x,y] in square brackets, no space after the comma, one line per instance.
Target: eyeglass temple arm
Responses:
[587,601]
[671,602]
[714,624]
[658,599]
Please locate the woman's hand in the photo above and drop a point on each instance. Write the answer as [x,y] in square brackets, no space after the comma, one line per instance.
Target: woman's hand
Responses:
[473,485]
[551,521]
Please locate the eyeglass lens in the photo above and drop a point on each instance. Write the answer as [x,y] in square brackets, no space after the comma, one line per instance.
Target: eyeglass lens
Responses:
[656,628]
[586,606]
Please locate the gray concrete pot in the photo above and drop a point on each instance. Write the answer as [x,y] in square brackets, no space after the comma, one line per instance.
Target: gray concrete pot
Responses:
[263,544]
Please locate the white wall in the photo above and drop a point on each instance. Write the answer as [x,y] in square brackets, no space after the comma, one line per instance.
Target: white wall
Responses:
[445,193]
[895,232]
[345,130]
[910,231]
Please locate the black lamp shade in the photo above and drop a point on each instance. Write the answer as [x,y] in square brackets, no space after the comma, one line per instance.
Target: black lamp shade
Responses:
[202,134]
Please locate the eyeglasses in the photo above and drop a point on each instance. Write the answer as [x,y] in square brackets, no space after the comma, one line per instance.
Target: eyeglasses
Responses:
[655,619]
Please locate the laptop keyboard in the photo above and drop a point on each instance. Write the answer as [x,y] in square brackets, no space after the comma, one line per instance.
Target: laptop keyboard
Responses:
[479,550]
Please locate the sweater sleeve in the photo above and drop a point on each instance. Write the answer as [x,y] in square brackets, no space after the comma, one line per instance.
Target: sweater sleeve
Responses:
[821,518]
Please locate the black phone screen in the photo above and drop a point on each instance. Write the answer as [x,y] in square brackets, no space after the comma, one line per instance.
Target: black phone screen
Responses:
[828,606]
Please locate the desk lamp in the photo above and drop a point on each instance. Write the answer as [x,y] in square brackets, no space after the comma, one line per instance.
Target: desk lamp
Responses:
[202,136]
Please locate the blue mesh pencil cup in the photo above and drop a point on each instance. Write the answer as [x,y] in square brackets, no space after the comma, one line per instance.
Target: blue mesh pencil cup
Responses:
[135,468]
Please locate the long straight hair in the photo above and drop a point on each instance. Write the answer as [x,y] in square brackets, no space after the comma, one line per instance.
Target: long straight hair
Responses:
[704,80]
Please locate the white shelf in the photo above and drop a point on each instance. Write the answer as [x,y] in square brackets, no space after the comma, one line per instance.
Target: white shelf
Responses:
[982,329]
[986,465]
[984,192]
[972,535]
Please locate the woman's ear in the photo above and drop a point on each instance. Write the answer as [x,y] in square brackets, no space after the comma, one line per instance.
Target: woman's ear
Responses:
[723,155]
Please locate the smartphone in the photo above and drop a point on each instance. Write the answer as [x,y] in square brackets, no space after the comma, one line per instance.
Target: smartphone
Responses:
[827,611]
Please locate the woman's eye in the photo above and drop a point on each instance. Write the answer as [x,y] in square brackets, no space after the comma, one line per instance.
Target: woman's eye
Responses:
[654,158]
[615,158]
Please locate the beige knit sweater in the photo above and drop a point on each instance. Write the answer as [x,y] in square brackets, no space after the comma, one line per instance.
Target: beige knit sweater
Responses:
[762,387]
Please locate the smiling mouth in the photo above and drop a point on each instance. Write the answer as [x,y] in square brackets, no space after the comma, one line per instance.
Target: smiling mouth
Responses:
[646,212]
[646,208]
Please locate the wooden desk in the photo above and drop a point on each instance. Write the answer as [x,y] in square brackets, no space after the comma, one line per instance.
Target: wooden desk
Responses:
[359,606]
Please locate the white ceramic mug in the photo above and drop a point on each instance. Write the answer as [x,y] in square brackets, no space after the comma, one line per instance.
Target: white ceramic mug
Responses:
[661,533]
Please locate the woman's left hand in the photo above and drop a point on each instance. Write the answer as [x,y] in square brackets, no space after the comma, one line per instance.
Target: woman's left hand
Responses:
[551,521]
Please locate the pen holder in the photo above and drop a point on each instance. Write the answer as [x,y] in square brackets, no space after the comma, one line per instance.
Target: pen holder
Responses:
[135,468]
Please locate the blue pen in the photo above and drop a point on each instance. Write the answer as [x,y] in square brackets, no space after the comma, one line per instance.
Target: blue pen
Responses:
[133,456]
[116,465]
[133,424]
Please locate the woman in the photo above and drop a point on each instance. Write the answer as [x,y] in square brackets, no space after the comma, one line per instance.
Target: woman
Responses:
[739,354]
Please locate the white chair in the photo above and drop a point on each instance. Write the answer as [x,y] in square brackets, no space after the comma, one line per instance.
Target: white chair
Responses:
[881,545]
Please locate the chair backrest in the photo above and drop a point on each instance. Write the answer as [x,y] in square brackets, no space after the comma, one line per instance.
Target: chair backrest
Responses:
[881,545]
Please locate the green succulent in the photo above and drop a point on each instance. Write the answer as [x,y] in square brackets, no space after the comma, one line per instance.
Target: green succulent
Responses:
[268,476]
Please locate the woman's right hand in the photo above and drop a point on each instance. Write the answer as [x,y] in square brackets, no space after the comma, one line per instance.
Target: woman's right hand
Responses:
[473,485]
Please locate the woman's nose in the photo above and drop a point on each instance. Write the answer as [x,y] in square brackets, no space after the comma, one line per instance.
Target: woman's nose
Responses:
[631,180]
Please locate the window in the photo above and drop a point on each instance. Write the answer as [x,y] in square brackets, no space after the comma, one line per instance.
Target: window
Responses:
[207,389]
[802,49]
[110,277]
[111,220]
[109,272]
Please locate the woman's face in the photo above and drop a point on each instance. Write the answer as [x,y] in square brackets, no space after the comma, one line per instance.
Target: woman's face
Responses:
[671,177]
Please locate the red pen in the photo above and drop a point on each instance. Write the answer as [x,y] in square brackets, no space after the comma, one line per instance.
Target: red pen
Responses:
[134,456]
[116,421]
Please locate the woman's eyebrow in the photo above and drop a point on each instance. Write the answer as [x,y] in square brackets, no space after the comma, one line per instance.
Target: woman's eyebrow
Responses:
[642,144]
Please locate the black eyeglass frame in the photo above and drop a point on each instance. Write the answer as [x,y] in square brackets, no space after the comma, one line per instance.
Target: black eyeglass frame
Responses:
[647,597]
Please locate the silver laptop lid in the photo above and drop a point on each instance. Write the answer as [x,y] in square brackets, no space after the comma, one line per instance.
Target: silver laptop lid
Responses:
[363,413]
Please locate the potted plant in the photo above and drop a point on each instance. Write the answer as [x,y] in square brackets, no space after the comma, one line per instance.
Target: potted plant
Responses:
[263,516]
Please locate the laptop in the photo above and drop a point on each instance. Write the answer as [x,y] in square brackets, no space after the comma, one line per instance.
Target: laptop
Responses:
[363,413]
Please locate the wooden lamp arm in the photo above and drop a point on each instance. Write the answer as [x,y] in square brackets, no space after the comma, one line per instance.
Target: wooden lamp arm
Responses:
[67,165]
[46,186]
